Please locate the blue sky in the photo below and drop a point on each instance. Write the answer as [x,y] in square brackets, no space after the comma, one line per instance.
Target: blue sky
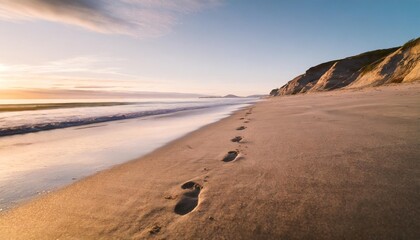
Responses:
[199,46]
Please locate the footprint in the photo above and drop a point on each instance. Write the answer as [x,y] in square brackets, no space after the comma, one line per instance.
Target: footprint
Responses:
[189,200]
[236,139]
[230,156]
[240,128]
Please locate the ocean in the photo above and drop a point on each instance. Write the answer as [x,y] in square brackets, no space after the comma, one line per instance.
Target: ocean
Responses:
[42,115]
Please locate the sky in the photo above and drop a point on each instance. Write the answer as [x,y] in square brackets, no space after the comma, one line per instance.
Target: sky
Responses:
[213,47]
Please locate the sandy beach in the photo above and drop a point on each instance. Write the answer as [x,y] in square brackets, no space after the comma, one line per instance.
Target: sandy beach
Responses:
[332,165]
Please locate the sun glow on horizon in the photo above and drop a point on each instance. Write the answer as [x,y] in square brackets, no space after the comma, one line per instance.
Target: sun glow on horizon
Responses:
[4,83]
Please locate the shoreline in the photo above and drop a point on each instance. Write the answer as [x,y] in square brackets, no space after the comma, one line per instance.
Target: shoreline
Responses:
[326,165]
[93,148]
[105,117]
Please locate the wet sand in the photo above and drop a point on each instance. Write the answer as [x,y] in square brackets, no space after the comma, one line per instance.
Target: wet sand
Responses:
[333,165]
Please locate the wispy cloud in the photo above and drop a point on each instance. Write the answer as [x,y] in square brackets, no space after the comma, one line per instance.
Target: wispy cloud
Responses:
[78,72]
[140,18]
[83,64]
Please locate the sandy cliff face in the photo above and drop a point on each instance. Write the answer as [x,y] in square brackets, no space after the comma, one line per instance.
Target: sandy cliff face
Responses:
[403,65]
[393,65]
[304,82]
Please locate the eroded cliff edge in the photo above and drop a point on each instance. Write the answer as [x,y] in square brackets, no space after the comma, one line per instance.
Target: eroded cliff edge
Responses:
[374,68]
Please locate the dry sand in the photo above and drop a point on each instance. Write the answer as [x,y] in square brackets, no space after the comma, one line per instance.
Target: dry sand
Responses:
[334,165]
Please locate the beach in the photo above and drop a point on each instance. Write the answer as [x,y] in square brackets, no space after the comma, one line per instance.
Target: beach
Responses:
[329,165]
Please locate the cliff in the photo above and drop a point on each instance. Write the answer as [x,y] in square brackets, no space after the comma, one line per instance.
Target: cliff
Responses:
[374,68]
